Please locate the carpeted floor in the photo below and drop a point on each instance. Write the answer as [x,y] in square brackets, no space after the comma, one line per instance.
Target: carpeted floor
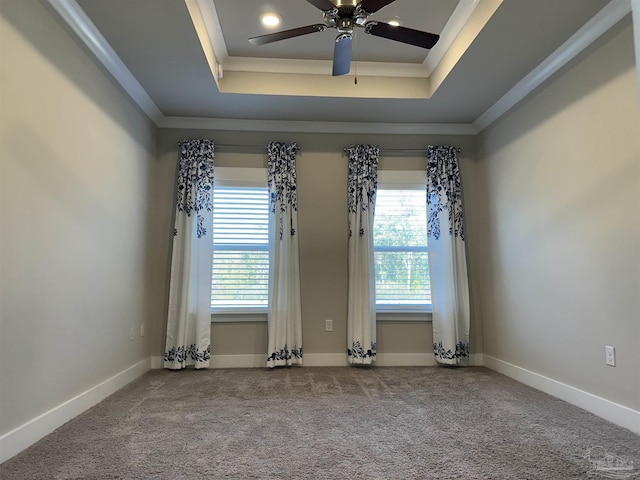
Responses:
[328,423]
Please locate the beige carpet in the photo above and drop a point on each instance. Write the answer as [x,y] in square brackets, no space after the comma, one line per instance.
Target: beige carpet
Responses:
[327,423]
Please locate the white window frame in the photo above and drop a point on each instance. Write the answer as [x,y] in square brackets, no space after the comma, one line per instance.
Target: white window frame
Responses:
[239,177]
[403,180]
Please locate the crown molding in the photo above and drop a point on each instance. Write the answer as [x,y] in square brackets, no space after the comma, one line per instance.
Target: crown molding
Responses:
[322,67]
[209,15]
[635,5]
[456,23]
[199,123]
[450,32]
[203,14]
[600,23]
[88,33]
[85,29]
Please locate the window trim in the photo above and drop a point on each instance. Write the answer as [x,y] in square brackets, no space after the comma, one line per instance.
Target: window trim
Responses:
[403,180]
[404,317]
[240,177]
[257,316]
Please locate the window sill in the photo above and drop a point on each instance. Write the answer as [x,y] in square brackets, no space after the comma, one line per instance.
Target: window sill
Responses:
[388,316]
[256,315]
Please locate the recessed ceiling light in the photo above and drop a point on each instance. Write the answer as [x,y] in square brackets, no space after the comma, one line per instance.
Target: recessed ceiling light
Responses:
[270,19]
[395,22]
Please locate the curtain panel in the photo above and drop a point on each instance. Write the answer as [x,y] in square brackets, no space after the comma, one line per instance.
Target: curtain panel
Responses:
[189,317]
[361,313]
[447,258]
[285,317]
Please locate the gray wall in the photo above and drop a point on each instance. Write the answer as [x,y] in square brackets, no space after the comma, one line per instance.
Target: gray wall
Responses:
[322,187]
[75,160]
[552,207]
[560,251]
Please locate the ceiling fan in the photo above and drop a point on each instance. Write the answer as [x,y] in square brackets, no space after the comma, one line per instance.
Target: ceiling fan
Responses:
[345,15]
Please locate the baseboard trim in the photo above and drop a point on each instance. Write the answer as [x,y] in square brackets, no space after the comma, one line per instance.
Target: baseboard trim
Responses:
[419,360]
[327,360]
[238,361]
[611,411]
[476,360]
[157,363]
[16,440]
[405,360]
[260,360]
[225,361]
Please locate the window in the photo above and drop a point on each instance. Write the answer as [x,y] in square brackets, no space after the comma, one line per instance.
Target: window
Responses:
[240,274]
[400,251]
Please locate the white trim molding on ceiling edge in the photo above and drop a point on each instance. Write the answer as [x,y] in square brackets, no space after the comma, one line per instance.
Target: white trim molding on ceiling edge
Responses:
[205,11]
[264,76]
[88,33]
[317,127]
[635,6]
[600,23]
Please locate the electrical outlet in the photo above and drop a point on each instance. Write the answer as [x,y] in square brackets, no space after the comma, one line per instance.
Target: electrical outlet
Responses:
[328,325]
[142,329]
[131,334]
[610,355]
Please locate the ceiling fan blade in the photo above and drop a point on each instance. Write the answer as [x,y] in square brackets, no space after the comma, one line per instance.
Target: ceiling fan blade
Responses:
[402,34]
[324,5]
[284,34]
[342,55]
[372,6]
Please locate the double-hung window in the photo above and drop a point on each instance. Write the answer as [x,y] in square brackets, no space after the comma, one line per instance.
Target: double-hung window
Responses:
[400,249]
[240,273]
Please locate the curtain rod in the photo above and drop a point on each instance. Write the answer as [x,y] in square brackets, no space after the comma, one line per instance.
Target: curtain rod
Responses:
[263,148]
[222,147]
[400,151]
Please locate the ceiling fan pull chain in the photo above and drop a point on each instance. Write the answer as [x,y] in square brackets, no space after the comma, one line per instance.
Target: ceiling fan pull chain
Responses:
[355,55]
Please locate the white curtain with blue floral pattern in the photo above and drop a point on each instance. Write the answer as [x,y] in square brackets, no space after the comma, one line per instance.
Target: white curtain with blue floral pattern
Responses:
[189,318]
[361,312]
[285,317]
[447,258]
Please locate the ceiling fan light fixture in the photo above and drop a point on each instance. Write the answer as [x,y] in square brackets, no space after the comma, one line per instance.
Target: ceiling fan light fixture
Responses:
[395,22]
[270,19]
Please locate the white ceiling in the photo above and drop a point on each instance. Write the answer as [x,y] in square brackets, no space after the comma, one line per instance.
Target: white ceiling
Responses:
[167,52]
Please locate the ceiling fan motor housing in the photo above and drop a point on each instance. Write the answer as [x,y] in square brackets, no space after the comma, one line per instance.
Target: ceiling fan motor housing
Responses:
[345,3]
[345,25]
[346,15]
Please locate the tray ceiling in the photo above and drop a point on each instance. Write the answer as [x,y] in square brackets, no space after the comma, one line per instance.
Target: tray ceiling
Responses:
[192,57]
